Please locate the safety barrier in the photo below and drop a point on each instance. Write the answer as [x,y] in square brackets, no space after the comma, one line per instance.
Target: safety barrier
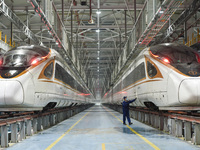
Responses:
[194,39]
[182,126]
[16,129]
[10,43]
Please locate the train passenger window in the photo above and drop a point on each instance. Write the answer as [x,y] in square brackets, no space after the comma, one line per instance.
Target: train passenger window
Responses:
[67,78]
[137,74]
[151,69]
[62,75]
[49,70]
[118,87]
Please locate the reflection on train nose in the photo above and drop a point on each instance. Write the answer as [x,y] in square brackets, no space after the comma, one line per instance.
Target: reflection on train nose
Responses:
[189,91]
[13,93]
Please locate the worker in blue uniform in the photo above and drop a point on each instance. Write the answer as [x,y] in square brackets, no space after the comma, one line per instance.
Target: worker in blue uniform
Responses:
[125,105]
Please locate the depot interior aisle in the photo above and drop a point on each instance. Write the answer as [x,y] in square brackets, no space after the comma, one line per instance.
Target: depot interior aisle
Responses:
[100,128]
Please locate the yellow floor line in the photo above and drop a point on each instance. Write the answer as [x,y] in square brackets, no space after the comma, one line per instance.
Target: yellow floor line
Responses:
[54,143]
[103,146]
[147,141]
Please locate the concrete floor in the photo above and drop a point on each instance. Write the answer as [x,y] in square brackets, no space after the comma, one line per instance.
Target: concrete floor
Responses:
[100,128]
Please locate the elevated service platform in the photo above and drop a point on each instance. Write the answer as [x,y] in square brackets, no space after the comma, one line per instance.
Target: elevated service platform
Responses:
[100,128]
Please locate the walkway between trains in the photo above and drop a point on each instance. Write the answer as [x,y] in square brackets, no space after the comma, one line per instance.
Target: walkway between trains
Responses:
[100,128]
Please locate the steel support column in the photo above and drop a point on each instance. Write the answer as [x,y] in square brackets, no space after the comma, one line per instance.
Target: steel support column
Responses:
[35,125]
[11,33]
[197,134]
[22,131]
[135,18]
[4,136]
[62,10]
[14,133]
[125,23]
[187,131]
[28,128]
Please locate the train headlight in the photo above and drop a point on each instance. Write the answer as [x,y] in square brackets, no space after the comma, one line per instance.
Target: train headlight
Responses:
[35,61]
[166,60]
[1,61]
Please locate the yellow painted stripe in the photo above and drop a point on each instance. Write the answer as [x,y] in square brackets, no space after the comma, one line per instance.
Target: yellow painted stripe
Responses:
[103,146]
[142,137]
[54,143]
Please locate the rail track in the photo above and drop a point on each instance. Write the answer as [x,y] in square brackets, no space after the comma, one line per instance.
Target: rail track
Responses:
[183,124]
[16,126]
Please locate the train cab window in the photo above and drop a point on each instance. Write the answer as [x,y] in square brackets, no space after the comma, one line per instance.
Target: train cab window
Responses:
[58,72]
[139,72]
[48,72]
[151,69]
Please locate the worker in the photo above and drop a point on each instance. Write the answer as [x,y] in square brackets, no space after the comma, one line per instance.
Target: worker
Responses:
[125,105]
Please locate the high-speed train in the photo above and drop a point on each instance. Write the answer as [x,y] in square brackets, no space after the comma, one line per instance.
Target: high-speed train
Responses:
[164,77]
[33,78]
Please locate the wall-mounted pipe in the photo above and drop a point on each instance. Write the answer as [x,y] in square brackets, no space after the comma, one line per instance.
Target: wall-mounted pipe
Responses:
[135,11]
[90,9]
[91,20]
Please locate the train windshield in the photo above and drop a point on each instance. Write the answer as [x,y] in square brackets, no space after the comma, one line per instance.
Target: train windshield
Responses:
[20,58]
[183,58]
[23,56]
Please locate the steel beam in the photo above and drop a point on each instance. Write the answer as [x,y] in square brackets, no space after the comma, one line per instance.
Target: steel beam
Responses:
[128,8]
[129,26]
[18,23]
[182,19]
[121,7]
[63,47]
[69,7]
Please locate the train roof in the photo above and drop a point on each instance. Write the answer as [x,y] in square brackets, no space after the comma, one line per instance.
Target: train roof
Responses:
[169,47]
[196,47]
[38,49]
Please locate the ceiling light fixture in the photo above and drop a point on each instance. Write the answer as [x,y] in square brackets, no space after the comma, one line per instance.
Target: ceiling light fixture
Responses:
[98,12]
[97,30]
[161,12]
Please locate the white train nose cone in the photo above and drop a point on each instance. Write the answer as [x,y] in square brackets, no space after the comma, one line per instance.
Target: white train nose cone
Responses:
[13,92]
[189,91]
[2,90]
